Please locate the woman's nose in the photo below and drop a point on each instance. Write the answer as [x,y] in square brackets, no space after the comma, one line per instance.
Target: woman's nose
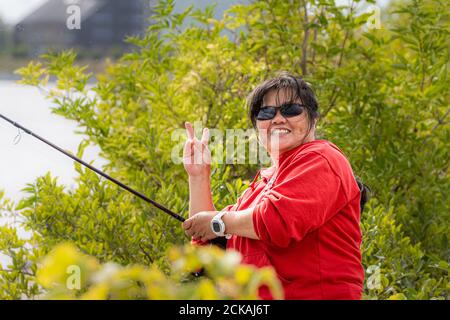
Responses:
[278,117]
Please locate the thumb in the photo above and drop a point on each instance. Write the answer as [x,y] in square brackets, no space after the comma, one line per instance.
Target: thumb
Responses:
[187,224]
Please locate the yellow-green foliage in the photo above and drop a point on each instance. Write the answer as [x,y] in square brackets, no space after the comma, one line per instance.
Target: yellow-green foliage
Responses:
[70,274]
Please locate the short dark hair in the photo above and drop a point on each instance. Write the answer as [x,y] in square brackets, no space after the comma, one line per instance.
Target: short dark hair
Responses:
[297,89]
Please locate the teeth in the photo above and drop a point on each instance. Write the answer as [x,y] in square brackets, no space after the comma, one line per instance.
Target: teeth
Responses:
[280,131]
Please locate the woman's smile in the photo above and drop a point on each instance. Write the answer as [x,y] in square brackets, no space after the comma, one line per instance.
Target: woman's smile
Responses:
[280,132]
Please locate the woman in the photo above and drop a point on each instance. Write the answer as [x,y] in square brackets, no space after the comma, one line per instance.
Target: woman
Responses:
[302,217]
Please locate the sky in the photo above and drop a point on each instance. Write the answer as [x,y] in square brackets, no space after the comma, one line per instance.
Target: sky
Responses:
[11,11]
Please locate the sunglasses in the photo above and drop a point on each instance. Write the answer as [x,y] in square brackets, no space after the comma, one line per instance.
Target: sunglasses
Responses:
[287,110]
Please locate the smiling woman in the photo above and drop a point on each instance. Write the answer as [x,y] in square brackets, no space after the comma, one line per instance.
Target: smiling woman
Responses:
[303,216]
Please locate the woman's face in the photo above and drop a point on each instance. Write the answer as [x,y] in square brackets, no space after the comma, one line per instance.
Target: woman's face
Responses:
[293,129]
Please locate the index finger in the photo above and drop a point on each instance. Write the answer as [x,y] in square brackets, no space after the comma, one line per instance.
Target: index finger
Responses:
[189,130]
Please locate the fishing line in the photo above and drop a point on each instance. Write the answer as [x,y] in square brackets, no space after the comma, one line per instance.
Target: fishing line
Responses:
[18,137]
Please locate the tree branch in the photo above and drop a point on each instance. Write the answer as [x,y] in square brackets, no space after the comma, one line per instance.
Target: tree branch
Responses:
[20,271]
[303,62]
[334,94]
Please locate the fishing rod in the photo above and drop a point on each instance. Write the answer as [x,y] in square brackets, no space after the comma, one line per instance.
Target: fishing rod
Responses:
[120,184]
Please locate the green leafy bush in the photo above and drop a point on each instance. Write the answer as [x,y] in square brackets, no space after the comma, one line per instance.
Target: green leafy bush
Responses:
[396,268]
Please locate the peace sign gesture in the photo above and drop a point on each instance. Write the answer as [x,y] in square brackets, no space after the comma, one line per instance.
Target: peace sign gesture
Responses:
[196,155]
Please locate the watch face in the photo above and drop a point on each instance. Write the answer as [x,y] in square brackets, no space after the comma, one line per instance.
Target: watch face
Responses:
[216,226]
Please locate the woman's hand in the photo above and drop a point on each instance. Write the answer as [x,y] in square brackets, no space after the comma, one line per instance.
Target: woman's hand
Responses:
[196,155]
[199,225]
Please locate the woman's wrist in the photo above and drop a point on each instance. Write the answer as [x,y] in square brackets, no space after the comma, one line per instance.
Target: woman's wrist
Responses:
[206,177]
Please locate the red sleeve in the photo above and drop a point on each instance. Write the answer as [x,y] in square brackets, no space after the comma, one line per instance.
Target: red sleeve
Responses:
[308,195]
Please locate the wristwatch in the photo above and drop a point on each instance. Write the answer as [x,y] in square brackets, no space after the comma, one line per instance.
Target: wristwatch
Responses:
[218,226]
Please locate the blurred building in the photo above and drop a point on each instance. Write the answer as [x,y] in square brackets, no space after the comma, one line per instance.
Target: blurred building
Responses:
[103,26]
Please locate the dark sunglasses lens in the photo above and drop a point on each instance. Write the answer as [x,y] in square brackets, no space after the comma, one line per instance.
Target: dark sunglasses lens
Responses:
[291,110]
[266,113]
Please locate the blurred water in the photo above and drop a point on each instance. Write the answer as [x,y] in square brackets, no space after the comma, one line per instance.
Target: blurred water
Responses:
[23,163]
[30,158]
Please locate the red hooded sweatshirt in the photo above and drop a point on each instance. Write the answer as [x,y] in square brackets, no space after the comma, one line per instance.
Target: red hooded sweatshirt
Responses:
[308,223]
